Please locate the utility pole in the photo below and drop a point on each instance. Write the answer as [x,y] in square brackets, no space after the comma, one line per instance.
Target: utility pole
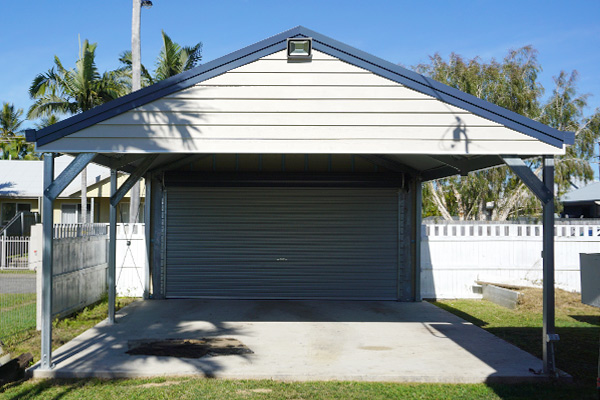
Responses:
[136,84]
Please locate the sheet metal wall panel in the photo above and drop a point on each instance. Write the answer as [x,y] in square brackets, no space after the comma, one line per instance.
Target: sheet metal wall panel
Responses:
[333,243]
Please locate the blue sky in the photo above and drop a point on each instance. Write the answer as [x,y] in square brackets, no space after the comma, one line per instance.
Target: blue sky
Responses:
[566,34]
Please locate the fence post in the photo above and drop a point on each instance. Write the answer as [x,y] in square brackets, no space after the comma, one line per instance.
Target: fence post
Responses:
[3,263]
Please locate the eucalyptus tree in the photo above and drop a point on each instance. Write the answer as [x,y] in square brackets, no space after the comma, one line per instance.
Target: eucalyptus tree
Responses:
[512,84]
[172,59]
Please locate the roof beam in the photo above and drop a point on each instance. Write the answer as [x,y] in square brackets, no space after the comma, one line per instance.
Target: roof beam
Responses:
[68,174]
[392,165]
[534,183]
[133,178]
[472,164]
[459,164]
[179,163]
[111,163]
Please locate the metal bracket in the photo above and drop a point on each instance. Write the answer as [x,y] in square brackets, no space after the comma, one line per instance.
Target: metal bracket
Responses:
[552,337]
[66,177]
[133,178]
[534,183]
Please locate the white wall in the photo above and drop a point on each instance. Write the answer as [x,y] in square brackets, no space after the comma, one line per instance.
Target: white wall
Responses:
[454,256]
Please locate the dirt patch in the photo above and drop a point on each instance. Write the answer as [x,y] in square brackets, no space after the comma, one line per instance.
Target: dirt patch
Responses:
[249,391]
[159,384]
[188,348]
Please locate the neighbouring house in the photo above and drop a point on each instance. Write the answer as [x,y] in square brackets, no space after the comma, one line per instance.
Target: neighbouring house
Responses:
[21,188]
[292,169]
[583,202]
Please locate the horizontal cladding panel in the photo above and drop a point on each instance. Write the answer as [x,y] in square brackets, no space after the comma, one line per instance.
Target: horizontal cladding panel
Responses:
[279,66]
[293,79]
[284,105]
[282,243]
[316,55]
[295,91]
[268,133]
[451,121]
[188,144]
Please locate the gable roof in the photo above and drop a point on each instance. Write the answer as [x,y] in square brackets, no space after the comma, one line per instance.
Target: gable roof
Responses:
[25,178]
[587,193]
[321,43]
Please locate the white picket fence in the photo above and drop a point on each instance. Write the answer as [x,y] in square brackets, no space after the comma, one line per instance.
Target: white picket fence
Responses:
[14,252]
[455,255]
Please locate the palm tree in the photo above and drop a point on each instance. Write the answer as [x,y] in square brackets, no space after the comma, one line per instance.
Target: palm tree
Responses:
[70,91]
[173,59]
[10,121]
[12,142]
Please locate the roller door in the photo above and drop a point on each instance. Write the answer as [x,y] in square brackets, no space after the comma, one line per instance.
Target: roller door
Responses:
[282,243]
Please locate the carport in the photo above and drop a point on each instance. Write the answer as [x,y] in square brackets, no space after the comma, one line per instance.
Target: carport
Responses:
[291,170]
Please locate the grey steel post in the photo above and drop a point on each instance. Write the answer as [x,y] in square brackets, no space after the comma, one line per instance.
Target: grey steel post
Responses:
[47,222]
[112,248]
[147,233]
[418,210]
[549,335]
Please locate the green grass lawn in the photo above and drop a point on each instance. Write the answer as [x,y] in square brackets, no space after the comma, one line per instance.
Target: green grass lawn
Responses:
[17,271]
[577,324]
[576,353]
[199,388]
[17,314]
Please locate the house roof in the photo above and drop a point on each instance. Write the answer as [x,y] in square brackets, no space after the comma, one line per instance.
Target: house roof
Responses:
[585,194]
[433,167]
[24,179]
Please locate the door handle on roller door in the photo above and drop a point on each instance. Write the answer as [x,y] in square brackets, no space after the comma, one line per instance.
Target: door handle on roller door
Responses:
[282,259]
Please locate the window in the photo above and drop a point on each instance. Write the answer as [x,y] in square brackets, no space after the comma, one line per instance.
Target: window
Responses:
[71,213]
[123,213]
[9,210]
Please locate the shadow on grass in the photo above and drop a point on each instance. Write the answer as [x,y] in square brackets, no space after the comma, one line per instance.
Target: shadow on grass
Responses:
[467,317]
[548,391]
[588,319]
[576,353]
[57,388]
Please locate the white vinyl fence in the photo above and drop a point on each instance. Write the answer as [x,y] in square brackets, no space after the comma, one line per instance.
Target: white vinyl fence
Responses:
[14,251]
[455,255]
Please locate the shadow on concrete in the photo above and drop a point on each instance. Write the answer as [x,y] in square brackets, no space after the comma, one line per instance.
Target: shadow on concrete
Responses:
[576,352]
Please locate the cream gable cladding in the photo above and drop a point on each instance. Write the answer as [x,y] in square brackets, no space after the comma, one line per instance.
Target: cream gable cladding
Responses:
[323,106]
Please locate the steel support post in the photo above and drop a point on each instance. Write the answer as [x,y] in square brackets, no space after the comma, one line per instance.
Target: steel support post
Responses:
[418,199]
[47,236]
[147,233]
[112,250]
[549,335]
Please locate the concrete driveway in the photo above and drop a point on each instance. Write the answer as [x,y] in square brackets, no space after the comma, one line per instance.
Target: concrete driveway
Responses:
[299,340]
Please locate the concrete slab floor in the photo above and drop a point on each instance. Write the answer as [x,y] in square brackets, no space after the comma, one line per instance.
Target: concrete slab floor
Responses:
[299,340]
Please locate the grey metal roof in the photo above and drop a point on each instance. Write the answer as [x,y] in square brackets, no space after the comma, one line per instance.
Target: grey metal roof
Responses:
[24,179]
[588,193]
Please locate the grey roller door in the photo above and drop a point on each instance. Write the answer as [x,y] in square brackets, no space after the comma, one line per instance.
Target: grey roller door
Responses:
[284,243]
